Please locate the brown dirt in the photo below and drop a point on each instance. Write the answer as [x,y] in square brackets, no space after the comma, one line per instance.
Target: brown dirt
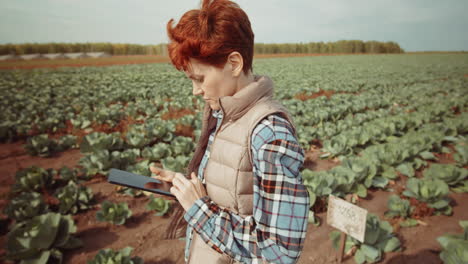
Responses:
[304,96]
[420,244]
[121,127]
[444,158]
[184,130]
[314,162]
[327,93]
[456,110]
[95,62]
[177,113]
[130,59]
[320,205]
[421,209]
[145,232]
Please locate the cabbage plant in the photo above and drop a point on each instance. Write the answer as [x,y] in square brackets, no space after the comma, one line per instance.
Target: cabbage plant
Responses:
[455,246]
[434,192]
[110,256]
[379,238]
[68,174]
[110,115]
[101,161]
[177,164]
[349,181]
[67,142]
[123,159]
[182,145]
[389,172]
[157,152]
[74,198]
[129,191]
[115,213]
[80,122]
[161,130]
[364,170]
[188,120]
[141,168]
[137,137]
[160,205]
[33,178]
[98,141]
[318,184]
[406,169]
[41,145]
[449,173]
[353,176]
[7,131]
[41,239]
[25,206]
[96,162]
[398,207]
[461,155]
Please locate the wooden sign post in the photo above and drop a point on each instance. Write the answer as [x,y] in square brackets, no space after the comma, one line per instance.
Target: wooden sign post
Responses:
[348,218]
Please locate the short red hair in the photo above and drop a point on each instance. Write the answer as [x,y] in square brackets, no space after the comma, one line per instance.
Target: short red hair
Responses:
[210,34]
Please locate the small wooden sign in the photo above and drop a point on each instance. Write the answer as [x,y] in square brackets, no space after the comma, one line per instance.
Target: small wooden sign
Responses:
[347,217]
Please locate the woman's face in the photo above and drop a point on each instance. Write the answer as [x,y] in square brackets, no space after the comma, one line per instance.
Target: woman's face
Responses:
[211,82]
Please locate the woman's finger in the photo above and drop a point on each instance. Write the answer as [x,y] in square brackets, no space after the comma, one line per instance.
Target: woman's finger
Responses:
[177,183]
[181,178]
[183,182]
[193,177]
[175,192]
[162,174]
[155,169]
[158,170]
[198,185]
[194,180]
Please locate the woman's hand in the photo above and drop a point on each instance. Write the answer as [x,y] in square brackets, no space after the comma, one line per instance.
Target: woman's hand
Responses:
[187,191]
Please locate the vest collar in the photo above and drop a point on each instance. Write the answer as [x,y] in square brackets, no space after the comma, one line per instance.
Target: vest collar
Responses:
[235,106]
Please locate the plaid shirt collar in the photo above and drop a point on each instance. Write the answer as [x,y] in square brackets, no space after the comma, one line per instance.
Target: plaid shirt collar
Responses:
[217,114]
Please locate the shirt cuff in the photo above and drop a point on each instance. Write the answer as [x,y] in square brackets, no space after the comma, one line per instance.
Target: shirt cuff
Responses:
[199,213]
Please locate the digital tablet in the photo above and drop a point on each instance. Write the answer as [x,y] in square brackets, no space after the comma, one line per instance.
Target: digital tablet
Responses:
[137,181]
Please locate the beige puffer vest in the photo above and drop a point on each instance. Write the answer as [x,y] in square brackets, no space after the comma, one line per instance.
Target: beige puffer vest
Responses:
[228,174]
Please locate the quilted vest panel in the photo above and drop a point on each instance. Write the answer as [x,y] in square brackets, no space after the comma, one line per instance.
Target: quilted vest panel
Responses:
[229,172]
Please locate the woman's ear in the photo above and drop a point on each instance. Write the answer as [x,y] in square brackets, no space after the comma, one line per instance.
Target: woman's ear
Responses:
[237,63]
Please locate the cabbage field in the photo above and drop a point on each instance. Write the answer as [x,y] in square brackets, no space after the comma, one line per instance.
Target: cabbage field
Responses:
[388,131]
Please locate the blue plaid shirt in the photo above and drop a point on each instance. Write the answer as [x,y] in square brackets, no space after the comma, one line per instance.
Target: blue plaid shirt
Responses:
[276,230]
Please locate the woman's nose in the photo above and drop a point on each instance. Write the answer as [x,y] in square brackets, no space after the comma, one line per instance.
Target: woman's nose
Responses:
[197,90]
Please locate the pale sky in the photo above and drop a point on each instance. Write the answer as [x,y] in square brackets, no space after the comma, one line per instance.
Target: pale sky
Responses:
[416,25]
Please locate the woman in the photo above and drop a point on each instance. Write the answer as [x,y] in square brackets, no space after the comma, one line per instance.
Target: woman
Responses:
[245,200]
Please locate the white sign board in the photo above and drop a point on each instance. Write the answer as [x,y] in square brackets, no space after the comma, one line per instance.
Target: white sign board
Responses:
[347,217]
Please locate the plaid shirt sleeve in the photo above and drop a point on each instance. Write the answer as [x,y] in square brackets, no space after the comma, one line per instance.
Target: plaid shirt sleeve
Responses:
[276,230]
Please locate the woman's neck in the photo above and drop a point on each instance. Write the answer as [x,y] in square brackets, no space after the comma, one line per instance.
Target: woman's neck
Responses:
[244,80]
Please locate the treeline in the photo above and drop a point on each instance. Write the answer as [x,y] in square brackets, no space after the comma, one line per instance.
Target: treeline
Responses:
[111,48]
[342,46]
